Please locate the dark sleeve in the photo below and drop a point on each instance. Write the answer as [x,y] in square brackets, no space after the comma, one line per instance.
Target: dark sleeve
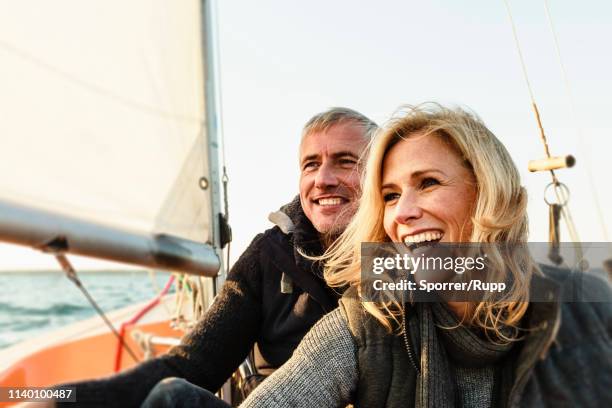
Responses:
[207,356]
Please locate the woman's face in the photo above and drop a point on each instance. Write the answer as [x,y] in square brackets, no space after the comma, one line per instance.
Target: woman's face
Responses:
[429,193]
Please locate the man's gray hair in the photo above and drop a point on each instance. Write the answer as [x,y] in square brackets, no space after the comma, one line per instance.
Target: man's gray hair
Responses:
[323,121]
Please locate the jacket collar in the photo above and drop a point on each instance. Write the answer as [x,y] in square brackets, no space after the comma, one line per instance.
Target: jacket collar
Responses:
[292,221]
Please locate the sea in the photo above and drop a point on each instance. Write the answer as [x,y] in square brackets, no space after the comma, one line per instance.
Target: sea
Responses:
[35,303]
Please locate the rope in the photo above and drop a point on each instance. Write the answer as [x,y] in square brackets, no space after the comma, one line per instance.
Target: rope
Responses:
[180,299]
[136,318]
[520,52]
[529,88]
[561,197]
[584,151]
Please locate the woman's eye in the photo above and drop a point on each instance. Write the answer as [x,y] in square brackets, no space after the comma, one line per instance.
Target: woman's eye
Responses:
[429,182]
[390,197]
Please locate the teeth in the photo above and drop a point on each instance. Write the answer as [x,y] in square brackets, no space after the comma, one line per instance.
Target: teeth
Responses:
[423,237]
[330,201]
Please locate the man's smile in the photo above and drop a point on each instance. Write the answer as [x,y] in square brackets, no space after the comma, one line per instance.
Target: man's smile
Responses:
[330,201]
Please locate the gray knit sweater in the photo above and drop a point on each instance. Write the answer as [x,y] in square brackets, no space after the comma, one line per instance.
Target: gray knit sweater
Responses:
[323,373]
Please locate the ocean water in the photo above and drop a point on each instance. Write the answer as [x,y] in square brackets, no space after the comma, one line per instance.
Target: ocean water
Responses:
[32,303]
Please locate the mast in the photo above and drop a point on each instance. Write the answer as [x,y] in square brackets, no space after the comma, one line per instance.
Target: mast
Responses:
[213,129]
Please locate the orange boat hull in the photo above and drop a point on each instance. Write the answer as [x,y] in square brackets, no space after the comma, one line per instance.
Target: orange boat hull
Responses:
[91,356]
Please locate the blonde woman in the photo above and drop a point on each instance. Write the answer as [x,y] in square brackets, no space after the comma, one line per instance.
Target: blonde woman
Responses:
[438,174]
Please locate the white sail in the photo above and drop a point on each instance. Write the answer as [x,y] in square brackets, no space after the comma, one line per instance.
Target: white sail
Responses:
[102,113]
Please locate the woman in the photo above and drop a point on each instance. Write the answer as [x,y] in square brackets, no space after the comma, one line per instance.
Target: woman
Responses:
[436,174]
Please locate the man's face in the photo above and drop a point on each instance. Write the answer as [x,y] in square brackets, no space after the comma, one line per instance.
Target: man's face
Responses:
[329,180]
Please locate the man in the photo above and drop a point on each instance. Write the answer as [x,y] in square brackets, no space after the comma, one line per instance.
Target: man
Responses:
[273,295]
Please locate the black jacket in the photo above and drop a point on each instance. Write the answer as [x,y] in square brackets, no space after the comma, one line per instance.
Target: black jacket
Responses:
[250,309]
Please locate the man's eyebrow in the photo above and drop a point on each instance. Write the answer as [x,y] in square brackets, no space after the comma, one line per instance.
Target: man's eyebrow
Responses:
[344,154]
[334,156]
[309,157]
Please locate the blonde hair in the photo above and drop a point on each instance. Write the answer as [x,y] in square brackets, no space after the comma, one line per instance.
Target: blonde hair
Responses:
[499,214]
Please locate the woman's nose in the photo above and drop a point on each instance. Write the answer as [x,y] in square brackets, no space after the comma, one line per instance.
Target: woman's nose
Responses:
[408,208]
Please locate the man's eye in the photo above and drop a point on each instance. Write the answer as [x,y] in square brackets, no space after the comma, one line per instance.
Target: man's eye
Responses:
[429,182]
[348,162]
[309,165]
[390,197]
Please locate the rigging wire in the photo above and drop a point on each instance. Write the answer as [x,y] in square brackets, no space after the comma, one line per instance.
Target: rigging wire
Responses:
[559,192]
[574,115]
[72,275]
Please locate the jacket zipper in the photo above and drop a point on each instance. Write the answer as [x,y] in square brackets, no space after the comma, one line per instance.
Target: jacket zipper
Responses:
[409,350]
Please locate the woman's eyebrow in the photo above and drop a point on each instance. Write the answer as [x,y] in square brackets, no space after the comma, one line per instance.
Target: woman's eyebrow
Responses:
[387,185]
[417,174]
[420,173]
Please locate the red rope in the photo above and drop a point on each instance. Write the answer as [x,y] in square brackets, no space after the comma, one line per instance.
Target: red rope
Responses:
[154,302]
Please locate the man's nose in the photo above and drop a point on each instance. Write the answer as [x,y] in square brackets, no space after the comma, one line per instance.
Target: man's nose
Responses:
[326,176]
[408,208]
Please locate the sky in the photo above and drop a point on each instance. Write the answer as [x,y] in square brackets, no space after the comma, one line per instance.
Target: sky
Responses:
[283,61]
